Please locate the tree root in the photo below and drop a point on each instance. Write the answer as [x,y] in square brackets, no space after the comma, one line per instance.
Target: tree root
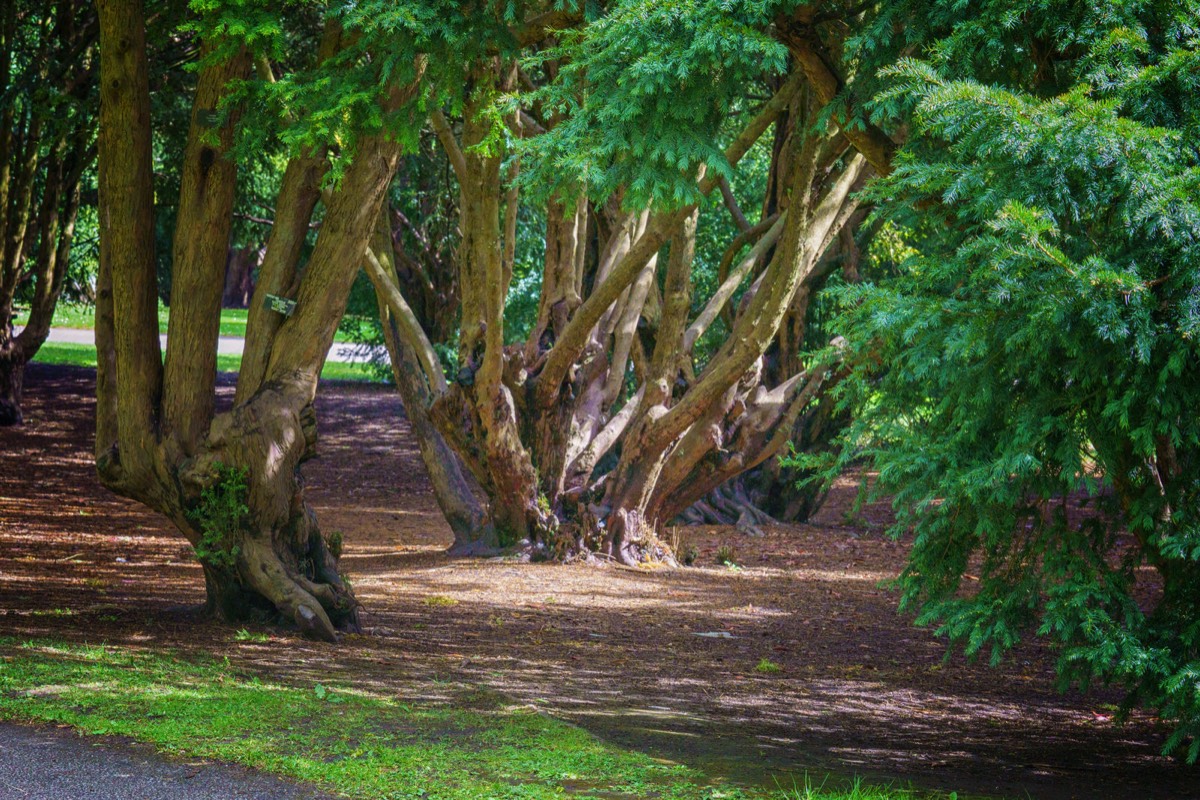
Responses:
[319,610]
[728,504]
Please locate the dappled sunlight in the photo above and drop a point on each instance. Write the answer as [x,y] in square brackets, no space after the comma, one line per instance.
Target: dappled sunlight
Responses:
[664,661]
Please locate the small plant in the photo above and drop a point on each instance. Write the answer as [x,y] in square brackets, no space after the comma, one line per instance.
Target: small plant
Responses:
[686,551]
[439,601]
[52,612]
[334,544]
[726,557]
[221,515]
[244,635]
[326,694]
[768,667]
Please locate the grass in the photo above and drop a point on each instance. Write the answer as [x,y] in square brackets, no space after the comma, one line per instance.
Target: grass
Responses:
[363,745]
[83,316]
[84,355]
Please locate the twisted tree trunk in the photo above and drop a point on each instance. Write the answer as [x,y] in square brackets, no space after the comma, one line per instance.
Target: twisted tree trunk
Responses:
[572,457]
[230,482]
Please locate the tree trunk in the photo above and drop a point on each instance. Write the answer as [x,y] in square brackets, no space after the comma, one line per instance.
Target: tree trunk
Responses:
[241,505]
[414,368]
[12,377]
[230,482]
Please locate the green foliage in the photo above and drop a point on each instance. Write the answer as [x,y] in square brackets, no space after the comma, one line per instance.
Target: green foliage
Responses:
[767,667]
[671,72]
[222,516]
[335,542]
[1027,384]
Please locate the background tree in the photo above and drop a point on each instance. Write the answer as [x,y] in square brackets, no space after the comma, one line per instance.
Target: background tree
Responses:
[1026,388]
[47,118]
[604,422]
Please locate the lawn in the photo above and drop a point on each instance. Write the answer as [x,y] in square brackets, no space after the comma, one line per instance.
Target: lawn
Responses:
[83,355]
[473,744]
[83,316]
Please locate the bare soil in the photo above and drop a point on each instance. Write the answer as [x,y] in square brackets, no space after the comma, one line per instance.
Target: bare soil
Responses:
[860,691]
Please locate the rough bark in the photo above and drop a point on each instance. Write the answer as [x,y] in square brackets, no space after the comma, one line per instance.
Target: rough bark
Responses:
[232,482]
[208,183]
[418,377]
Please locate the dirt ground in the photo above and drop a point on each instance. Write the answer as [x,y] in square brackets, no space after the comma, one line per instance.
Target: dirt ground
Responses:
[860,691]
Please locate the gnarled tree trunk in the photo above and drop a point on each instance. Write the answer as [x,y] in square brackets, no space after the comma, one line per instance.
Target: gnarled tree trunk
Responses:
[573,457]
[231,482]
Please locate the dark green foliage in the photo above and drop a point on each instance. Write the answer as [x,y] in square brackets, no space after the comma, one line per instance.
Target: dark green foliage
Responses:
[1028,385]
[671,72]
[222,516]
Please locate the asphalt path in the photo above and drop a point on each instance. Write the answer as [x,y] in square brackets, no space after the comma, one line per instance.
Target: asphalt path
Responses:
[226,345]
[45,763]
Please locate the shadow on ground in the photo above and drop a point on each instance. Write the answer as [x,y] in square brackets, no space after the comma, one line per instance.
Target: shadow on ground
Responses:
[617,651]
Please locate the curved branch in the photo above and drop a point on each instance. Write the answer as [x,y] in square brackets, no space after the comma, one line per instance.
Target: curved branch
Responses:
[729,286]
[450,144]
[660,228]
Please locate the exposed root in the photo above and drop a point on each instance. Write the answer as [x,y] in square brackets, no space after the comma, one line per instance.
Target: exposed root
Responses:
[728,504]
[480,546]
[633,542]
[269,578]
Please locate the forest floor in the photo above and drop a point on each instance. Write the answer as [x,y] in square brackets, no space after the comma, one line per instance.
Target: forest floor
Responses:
[620,652]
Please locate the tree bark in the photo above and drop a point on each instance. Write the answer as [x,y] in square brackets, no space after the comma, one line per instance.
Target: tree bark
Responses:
[418,377]
[232,482]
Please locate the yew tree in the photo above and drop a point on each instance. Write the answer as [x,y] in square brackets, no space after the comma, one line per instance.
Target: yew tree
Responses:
[603,423]
[1026,386]
[231,481]
[48,70]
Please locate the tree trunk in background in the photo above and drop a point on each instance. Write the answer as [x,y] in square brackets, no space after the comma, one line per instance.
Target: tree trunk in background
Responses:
[456,492]
[12,376]
[239,276]
[42,162]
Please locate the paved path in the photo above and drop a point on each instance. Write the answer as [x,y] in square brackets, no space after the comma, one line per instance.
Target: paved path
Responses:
[39,763]
[226,345]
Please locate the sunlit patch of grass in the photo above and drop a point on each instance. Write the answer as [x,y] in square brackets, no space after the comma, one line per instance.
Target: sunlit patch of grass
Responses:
[768,666]
[858,790]
[360,744]
[81,316]
[439,601]
[52,612]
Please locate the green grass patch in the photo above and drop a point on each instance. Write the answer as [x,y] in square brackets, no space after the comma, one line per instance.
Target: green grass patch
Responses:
[84,355]
[363,745]
[83,316]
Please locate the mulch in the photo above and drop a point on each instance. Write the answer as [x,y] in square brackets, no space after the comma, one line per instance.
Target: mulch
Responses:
[859,690]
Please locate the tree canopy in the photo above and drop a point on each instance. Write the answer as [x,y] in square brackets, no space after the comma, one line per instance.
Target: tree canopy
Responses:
[1025,385]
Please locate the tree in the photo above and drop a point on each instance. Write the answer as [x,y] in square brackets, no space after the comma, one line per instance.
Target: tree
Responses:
[1026,388]
[605,423]
[231,481]
[47,71]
